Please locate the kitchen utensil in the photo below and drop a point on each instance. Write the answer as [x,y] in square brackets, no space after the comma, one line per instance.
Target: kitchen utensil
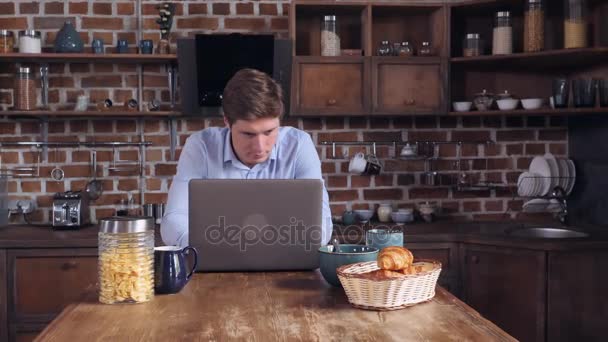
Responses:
[533,103]
[330,261]
[57,173]
[561,89]
[583,91]
[382,238]
[171,272]
[336,244]
[483,101]
[363,215]
[462,106]
[70,209]
[94,187]
[507,104]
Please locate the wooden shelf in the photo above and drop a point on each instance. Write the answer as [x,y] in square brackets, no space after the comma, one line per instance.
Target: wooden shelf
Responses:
[543,59]
[130,58]
[91,113]
[542,111]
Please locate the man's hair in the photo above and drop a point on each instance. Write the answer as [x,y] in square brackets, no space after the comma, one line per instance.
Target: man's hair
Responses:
[251,94]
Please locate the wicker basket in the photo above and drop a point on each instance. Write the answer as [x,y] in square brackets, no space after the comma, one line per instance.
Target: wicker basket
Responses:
[388,294]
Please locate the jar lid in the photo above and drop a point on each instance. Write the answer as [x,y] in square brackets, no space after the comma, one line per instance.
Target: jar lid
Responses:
[24,70]
[503,14]
[30,33]
[126,224]
[484,93]
[426,43]
[472,36]
[6,33]
[329,18]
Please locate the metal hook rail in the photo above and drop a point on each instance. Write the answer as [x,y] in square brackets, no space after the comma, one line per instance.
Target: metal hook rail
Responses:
[397,143]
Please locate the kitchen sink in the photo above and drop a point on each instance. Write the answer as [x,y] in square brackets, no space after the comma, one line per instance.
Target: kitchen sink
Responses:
[547,233]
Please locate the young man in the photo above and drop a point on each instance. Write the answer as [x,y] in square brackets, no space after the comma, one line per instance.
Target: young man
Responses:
[251,146]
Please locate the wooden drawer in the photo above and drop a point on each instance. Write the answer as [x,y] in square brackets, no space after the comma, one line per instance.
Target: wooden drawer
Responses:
[330,86]
[44,281]
[405,87]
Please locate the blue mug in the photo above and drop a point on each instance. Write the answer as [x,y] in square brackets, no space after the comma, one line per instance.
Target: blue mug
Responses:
[97,46]
[170,268]
[382,238]
[348,254]
[122,46]
[146,46]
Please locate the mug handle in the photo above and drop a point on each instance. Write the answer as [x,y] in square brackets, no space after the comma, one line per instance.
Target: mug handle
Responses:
[186,250]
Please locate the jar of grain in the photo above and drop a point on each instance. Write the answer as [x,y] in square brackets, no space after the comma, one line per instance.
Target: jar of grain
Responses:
[534,26]
[472,45]
[7,41]
[330,40]
[502,36]
[575,24]
[30,41]
[24,91]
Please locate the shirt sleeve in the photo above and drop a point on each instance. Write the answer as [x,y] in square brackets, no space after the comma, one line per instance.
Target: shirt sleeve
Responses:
[308,166]
[192,164]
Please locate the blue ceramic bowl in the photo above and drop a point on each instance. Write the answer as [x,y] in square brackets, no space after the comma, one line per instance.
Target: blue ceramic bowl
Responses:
[382,238]
[349,254]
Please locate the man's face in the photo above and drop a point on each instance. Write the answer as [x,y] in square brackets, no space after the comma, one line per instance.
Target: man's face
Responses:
[252,140]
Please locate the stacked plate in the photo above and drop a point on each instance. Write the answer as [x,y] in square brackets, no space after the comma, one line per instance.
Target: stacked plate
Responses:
[544,174]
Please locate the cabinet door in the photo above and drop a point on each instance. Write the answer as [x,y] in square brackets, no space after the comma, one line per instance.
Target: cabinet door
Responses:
[447,255]
[330,86]
[25,332]
[3,298]
[44,281]
[577,308]
[402,86]
[508,287]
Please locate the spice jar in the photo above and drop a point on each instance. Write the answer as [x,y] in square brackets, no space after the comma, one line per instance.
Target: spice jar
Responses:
[330,40]
[472,46]
[30,41]
[502,35]
[24,91]
[126,259]
[405,50]
[534,26]
[7,41]
[575,24]
[426,50]
[385,48]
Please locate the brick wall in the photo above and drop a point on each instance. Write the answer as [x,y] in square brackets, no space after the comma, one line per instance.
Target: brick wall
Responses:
[518,138]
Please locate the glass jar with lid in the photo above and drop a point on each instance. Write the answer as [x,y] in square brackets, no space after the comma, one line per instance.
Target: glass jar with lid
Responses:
[473,45]
[7,41]
[575,24]
[126,259]
[426,50]
[30,41]
[405,50]
[385,48]
[534,26]
[330,39]
[502,35]
[24,89]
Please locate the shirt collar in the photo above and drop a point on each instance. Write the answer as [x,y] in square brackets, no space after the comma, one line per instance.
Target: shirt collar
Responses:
[229,155]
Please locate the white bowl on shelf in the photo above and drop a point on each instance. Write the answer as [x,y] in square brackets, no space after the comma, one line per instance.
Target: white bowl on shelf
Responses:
[363,215]
[533,103]
[507,104]
[462,106]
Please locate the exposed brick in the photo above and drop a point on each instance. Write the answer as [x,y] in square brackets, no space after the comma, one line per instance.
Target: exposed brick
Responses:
[408,179]
[128,184]
[426,121]
[154,155]
[125,126]
[523,163]
[535,149]
[221,8]
[448,121]
[536,121]
[30,127]
[29,7]
[15,23]
[7,8]
[405,122]
[493,150]
[553,134]
[251,24]
[338,136]
[244,8]
[268,9]
[424,193]
[492,121]
[515,149]
[383,180]
[113,81]
[103,126]
[515,135]
[558,149]
[53,8]
[343,195]
[558,121]
[337,181]
[471,206]
[470,135]
[103,8]
[514,121]
[471,121]
[55,186]
[153,184]
[80,67]
[382,136]
[403,165]
[123,8]
[285,9]
[382,194]
[199,23]
[165,169]
[471,194]
[359,181]
[8,128]
[198,8]
[490,217]
[493,206]
[357,122]
[102,23]
[426,136]
[334,123]
[311,123]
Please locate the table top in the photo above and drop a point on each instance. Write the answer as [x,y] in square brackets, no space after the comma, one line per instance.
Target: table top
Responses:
[267,306]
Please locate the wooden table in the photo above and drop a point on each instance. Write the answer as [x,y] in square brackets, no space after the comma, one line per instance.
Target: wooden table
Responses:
[281,306]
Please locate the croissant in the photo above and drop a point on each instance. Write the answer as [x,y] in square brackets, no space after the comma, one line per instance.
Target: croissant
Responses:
[382,275]
[395,258]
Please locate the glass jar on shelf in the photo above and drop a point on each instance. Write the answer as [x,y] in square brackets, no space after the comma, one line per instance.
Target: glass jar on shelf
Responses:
[426,50]
[575,24]
[30,41]
[406,49]
[330,39]
[385,48]
[534,26]
[502,35]
[24,90]
[473,45]
[7,41]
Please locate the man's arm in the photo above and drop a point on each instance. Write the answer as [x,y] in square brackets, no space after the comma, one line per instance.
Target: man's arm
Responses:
[174,226]
[308,166]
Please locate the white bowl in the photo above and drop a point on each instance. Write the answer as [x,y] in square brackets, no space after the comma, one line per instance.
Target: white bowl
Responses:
[463,106]
[402,217]
[364,214]
[534,103]
[507,104]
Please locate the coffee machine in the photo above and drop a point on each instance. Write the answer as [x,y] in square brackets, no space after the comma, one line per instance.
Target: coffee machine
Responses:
[70,209]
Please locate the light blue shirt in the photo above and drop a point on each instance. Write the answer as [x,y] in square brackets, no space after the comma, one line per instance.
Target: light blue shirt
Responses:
[208,154]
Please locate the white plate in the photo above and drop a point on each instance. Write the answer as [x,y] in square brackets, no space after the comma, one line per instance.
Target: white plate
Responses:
[537,205]
[540,166]
[525,184]
[564,174]
[554,169]
[572,172]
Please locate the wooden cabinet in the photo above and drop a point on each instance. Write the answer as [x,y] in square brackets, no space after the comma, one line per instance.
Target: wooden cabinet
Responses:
[336,86]
[577,306]
[401,86]
[42,282]
[508,287]
[447,254]
[3,298]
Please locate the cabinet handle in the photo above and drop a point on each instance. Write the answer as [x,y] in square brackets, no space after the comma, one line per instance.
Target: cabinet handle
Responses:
[410,102]
[475,259]
[70,264]
[331,102]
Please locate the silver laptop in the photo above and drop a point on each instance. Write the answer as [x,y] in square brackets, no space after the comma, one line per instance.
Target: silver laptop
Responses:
[255,224]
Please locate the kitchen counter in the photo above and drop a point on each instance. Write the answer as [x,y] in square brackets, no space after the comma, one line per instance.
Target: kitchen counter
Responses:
[267,307]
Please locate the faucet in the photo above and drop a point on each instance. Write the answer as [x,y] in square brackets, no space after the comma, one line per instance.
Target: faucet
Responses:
[560,194]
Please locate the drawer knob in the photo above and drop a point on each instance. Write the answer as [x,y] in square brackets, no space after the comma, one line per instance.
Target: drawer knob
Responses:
[410,102]
[331,102]
[68,265]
